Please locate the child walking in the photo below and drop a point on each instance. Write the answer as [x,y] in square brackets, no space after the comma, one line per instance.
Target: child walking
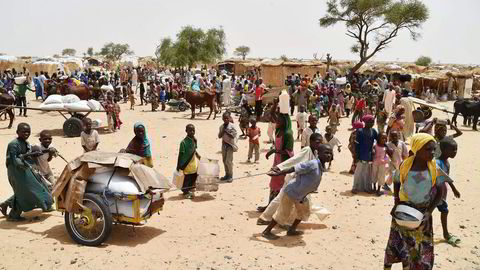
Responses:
[351,145]
[307,132]
[301,121]
[381,153]
[400,152]
[187,161]
[448,149]
[89,137]
[131,97]
[332,141]
[334,117]
[228,134]
[362,179]
[253,133]
[381,117]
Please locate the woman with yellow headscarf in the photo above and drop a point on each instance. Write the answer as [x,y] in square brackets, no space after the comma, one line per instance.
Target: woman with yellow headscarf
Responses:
[415,184]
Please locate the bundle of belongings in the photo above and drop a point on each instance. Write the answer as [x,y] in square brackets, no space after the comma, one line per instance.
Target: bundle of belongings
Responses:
[70,103]
[132,191]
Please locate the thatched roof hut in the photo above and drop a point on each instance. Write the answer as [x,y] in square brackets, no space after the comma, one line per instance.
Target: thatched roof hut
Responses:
[273,71]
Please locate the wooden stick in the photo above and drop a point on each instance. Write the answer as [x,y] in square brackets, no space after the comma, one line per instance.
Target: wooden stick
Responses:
[39,109]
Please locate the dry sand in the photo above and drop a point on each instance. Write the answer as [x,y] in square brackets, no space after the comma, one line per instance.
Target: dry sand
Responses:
[218,230]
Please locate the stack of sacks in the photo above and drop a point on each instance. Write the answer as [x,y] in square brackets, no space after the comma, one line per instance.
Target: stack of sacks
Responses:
[71,103]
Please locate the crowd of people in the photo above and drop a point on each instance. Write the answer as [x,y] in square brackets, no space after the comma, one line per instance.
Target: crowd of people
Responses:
[381,159]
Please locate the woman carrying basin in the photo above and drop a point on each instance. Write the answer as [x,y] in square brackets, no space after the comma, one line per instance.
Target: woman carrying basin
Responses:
[415,185]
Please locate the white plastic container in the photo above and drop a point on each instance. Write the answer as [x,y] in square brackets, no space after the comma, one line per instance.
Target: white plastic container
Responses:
[284,102]
[208,175]
[208,167]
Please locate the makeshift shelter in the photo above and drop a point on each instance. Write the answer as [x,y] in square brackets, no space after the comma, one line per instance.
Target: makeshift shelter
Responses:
[94,61]
[273,72]
[38,66]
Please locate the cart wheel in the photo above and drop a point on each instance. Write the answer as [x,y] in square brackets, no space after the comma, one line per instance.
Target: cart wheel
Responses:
[73,127]
[182,107]
[94,225]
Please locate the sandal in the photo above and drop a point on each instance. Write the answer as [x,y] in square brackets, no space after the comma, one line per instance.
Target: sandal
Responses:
[3,209]
[16,219]
[262,222]
[453,240]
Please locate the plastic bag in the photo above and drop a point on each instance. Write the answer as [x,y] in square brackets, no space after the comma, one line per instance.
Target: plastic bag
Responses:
[177,179]
[321,212]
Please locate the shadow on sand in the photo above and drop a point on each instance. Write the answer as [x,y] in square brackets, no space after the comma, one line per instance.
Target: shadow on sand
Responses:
[122,235]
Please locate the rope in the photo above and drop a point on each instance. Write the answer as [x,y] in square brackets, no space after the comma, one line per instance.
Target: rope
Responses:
[217,182]
[6,108]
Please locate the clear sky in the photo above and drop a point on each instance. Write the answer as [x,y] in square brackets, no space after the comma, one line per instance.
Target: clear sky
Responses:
[270,28]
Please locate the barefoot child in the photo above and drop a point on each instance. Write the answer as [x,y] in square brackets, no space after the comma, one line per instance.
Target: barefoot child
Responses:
[332,141]
[334,117]
[43,160]
[381,153]
[243,121]
[308,178]
[253,133]
[89,137]
[400,152]
[131,97]
[301,121]
[187,161]
[381,117]
[448,149]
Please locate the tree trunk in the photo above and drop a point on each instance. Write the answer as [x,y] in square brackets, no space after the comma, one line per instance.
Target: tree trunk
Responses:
[357,66]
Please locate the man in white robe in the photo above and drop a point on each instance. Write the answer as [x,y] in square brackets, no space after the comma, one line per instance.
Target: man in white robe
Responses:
[227,91]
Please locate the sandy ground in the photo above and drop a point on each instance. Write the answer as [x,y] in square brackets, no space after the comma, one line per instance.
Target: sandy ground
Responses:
[218,230]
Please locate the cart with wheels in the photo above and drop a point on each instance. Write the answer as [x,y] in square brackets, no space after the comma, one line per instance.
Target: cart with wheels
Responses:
[178,104]
[99,189]
[73,125]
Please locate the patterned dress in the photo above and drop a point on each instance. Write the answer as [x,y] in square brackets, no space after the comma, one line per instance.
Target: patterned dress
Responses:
[413,247]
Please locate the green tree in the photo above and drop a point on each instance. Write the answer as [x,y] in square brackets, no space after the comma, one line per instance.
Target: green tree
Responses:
[423,61]
[192,46]
[69,52]
[213,45]
[90,51]
[165,52]
[373,24]
[284,58]
[242,51]
[114,52]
